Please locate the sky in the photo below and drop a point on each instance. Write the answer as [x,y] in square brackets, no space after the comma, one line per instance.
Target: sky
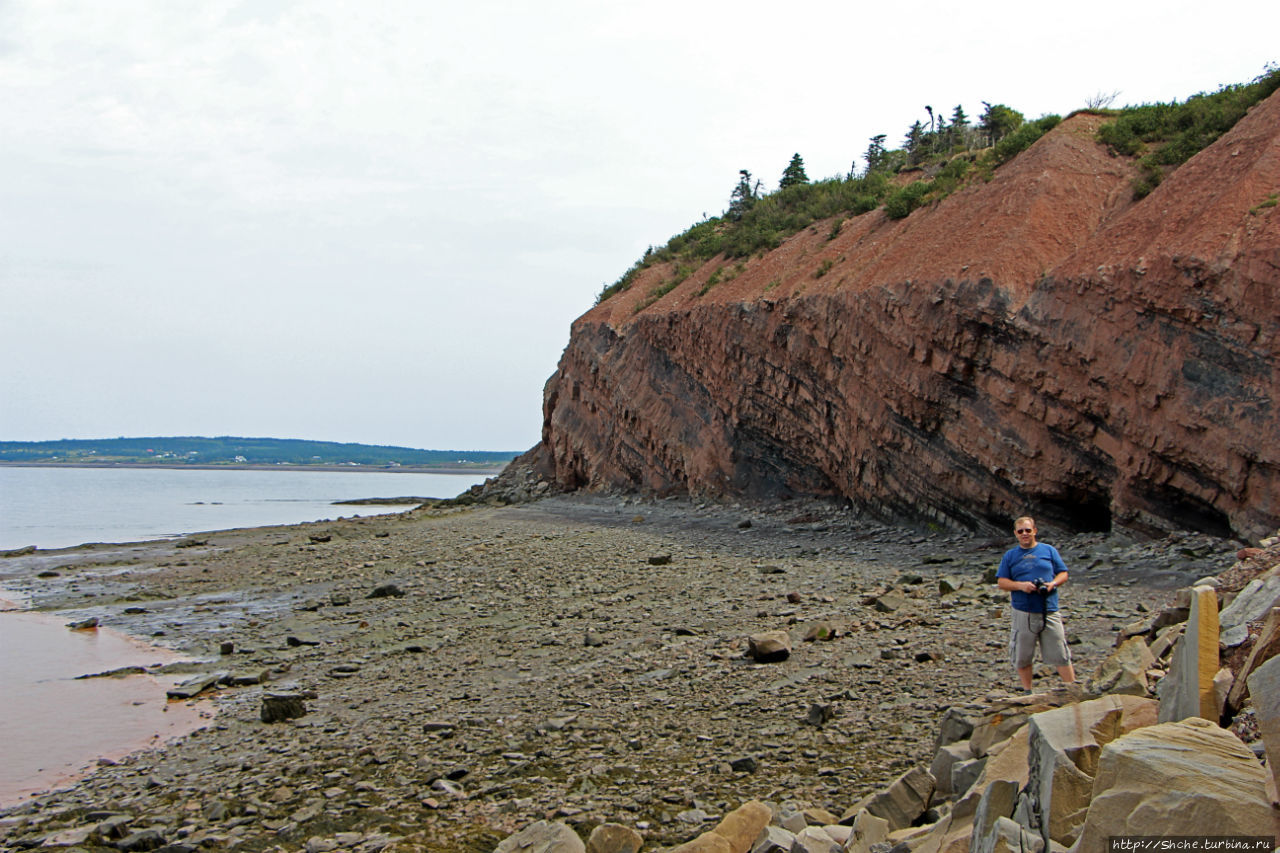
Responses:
[375,221]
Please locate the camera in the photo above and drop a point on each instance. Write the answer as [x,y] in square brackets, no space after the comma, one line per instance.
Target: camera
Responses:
[1042,588]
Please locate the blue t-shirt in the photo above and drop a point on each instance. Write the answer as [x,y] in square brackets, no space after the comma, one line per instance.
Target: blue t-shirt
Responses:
[1026,564]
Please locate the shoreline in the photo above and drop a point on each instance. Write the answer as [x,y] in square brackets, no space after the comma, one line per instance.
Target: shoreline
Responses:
[401,469]
[578,657]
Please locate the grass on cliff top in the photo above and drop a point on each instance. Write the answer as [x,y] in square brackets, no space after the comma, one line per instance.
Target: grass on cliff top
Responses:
[1163,136]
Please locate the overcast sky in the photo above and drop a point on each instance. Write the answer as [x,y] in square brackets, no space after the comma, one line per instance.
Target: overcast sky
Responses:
[375,221]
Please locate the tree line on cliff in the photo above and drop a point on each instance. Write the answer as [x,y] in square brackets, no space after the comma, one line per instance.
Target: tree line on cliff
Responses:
[936,159]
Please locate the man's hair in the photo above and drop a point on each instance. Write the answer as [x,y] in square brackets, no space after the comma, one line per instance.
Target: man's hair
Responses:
[1022,518]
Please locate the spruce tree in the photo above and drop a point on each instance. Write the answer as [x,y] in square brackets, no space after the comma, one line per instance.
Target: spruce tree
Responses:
[744,195]
[794,173]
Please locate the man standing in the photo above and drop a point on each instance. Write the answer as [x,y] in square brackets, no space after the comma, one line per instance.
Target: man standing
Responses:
[1031,573]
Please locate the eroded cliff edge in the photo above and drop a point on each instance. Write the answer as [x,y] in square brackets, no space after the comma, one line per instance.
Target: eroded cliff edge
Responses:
[1038,342]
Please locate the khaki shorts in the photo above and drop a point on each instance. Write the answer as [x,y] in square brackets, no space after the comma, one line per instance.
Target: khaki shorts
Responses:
[1026,632]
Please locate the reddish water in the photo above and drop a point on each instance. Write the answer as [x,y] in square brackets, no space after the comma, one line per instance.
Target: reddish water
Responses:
[52,727]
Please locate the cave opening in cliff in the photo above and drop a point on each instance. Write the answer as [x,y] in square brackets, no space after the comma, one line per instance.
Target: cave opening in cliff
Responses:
[1187,512]
[1079,509]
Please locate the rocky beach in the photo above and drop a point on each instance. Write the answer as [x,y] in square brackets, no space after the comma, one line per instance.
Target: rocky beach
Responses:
[446,676]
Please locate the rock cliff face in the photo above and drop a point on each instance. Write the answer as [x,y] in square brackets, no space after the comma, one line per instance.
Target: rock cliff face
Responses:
[1038,342]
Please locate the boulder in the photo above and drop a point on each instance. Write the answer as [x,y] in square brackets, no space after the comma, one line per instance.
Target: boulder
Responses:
[769,646]
[1187,691]
[774,840]
[1065,744]
[1007,761]
[906,798]
[1266,645]
[814,839]
[1264,687]
[957,724]
[946,758]
[542,837]
[867,830]
[997,801]
[1180,778]
[1124,670]
[742,826]
[1252,603]
[614,838]
[1007,836]
[964,774]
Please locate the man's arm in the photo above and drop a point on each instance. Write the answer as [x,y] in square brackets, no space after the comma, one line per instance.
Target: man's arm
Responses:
[1011,585]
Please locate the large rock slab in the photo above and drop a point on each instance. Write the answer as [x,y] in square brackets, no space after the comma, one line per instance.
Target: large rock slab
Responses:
[1264,687]
[1188,689]
[1258,596]
[1266,646]
[1064,748]
[1176,779]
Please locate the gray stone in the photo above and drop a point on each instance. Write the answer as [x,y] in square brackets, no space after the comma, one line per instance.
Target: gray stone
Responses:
[904,800]
[1252,603]
[614,838]
[543,837]
[195,685]
[957,724]
[775,839]
[277,707]
[997,801]
[965,773]
[1264,690]
[944,759]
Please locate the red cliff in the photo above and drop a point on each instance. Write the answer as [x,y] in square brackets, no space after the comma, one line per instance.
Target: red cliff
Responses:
[1038,342]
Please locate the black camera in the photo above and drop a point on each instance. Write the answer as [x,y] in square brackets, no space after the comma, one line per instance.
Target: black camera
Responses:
[1042,588]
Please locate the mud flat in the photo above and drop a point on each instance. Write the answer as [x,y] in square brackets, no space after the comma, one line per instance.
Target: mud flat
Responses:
[467,671]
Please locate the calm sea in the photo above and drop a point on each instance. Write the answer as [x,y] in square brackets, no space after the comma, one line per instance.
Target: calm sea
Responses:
[62,507]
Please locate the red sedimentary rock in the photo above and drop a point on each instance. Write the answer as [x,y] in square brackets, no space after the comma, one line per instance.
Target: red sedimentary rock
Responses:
[1036,343]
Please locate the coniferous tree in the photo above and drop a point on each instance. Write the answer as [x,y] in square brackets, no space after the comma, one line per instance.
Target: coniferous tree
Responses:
[794,173]
[876,154]
[744,195]
[999,121]
[915,144]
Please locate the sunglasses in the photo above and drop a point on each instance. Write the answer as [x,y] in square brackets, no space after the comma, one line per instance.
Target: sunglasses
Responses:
[1025,530]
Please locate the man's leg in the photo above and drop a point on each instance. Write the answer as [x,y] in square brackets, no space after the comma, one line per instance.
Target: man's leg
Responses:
[1024,675]
[1067,674]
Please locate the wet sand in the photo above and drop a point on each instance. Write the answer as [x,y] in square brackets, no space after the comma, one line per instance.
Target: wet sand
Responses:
[579,658]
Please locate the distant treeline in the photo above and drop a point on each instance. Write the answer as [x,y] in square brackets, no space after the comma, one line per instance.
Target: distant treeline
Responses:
[231,450]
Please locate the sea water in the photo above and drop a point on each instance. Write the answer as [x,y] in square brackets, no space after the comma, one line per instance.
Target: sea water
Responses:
[62,507]
[54,724]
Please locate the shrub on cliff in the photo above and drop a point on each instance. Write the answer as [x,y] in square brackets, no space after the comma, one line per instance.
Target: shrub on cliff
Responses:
[1167,135]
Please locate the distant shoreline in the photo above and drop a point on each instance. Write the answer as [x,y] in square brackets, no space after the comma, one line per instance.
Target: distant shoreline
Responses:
[242,466]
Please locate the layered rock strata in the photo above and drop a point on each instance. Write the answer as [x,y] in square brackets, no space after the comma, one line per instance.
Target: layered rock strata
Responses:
[1038,342]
